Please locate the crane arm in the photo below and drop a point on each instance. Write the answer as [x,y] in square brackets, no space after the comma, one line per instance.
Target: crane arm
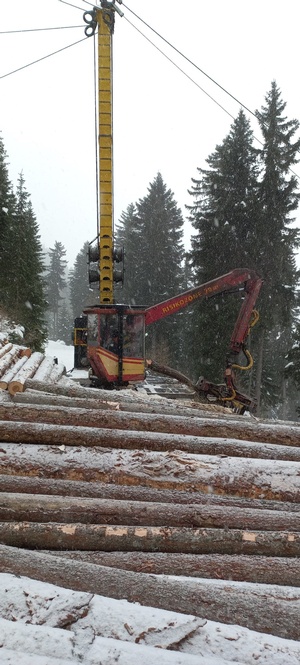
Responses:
[251,284]
[240,277]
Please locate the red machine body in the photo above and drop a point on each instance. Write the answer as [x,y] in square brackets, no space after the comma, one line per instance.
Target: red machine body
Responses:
[116,334]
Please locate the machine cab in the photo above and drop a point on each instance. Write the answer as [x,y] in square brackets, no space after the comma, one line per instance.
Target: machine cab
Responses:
[116,343]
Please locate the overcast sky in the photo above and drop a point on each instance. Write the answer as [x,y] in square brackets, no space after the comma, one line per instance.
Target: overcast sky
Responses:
[162,120]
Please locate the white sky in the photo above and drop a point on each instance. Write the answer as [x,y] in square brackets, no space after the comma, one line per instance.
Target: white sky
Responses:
[162,121]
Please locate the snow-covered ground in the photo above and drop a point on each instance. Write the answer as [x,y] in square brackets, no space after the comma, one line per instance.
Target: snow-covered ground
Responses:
[62,351]
[65,355]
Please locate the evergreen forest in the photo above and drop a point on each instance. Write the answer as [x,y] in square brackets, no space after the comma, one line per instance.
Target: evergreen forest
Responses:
[241,208]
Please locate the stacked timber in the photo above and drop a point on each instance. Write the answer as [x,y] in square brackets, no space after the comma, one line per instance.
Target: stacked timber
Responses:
[170,506]
[18,363]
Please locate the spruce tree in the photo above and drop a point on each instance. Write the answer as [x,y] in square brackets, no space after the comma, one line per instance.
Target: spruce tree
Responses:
[128,237]
[224,215]
[56,282]
[65,325]
[80,293]
[152,232]
[7,203]
[25,284]
[276,241]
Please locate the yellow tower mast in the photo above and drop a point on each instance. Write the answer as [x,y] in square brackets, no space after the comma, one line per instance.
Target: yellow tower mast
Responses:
[104,252]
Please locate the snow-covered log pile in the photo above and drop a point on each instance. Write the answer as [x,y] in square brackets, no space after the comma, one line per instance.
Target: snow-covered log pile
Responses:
[18,363]
[152,502]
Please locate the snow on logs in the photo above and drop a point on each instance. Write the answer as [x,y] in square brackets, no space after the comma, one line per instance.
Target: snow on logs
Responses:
[121,489]
[18,363]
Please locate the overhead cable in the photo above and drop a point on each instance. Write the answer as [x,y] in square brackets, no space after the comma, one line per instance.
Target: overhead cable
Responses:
[191,62]
[60,27]
[43,58]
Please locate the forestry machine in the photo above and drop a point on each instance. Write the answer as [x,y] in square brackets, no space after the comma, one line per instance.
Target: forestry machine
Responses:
[110,337]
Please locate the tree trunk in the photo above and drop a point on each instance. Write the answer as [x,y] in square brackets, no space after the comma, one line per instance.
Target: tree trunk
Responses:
[176,470]
[8,359]
[57,372]
[90,436]
[36,397]
[273,609]
[5,348]
[244,568]
[173,373]
[41,508]
[44,370]
[11,372]
[279,434]
[110,538]
[59,487]
[30,367]
[259,369]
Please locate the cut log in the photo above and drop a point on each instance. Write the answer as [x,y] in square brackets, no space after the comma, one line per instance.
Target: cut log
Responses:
[150,405]
[178,425]
[25,351]
[30,644]
[9,358]
[30,367]
[41,508]
[273,609]
[5,348]
[132,399]
[11,372]
[80,613]
[57,372]
[77,488]
[32,432]
[177,470]
[244,568]
[72,389]
[173,373]
[44,370]
[110,538]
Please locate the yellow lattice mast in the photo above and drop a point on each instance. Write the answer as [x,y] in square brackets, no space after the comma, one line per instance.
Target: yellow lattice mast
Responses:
[104,252]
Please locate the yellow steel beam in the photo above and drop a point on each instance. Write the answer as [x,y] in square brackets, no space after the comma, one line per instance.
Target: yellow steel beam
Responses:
[105,20]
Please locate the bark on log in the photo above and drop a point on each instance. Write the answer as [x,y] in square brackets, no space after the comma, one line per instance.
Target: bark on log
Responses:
[76,488]
[45,508]
[11,372]
[5,348]
[257,569]
[130,440]
[110,538]
[273,609]
[44,370]
[173,373]
[197,426]
[235,476]
[57,372]
[131,398]
[8,359]
[30,367]
[151,405]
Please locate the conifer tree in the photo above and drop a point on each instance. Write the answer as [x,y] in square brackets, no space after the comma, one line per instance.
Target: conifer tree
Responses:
[7,203]
[65,325]
[80,293]
[56,282]
[276,240]
[25,284]
[152,232]
[224,215]
[128,237]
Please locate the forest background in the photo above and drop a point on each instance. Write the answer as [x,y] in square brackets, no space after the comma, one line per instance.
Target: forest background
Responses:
[241,207]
